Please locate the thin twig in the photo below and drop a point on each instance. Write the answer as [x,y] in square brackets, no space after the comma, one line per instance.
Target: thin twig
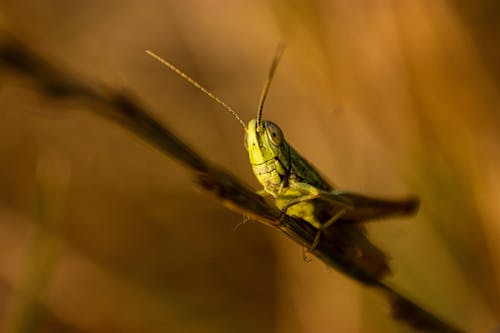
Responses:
[121,108]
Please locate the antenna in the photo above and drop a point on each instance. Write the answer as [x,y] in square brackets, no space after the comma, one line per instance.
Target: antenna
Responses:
[279,52]
[197,85]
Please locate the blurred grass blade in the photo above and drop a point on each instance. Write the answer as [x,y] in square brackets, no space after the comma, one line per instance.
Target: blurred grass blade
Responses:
[52,183]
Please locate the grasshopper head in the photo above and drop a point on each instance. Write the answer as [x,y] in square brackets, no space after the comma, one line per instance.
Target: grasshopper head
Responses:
[266,142]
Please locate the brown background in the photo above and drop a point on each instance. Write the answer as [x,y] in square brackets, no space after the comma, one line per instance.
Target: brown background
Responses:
[384,97]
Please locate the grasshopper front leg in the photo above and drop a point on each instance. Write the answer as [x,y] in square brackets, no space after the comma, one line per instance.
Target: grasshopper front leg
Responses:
[311,192]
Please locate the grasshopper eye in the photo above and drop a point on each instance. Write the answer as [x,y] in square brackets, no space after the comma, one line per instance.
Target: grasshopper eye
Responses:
[245,138]
[274,133]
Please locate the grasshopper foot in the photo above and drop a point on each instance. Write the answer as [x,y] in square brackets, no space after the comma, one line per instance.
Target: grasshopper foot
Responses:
[308,250]
[306,254]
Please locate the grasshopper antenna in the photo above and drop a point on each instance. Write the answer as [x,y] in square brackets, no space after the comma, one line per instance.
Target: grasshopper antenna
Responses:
[267,84]
[197,85]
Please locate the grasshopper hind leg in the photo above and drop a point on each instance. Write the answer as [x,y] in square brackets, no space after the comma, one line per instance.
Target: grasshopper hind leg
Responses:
[317,237]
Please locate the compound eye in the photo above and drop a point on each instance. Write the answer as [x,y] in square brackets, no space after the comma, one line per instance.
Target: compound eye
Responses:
[273,133]
[245,143]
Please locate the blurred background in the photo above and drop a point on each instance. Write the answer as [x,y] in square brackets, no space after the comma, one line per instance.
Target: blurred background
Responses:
[101,233]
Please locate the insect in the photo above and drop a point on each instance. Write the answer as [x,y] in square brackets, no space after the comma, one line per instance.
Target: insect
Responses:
[299,190]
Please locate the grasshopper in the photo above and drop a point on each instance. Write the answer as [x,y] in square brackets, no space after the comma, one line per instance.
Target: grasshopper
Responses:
[299,190]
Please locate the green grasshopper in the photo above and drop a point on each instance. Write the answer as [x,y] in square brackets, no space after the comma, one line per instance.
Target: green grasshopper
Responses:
[299,190]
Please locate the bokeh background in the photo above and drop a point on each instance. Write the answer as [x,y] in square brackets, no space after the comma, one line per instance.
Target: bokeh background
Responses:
[101,233]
